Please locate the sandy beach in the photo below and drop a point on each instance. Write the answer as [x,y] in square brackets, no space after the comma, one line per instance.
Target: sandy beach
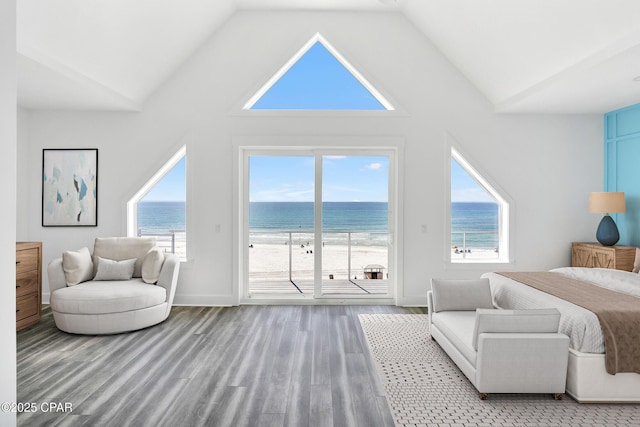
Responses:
[271,261]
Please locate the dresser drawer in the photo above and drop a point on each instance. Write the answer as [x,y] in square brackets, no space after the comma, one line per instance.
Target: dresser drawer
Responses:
[26,283]
[27,260]
[27,306]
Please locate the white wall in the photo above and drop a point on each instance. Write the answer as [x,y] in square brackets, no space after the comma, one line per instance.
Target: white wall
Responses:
[546,164]
[8,178]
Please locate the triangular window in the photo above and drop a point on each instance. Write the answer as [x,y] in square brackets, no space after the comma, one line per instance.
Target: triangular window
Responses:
[317,78]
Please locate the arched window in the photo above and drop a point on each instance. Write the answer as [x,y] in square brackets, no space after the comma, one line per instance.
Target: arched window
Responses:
[158,209]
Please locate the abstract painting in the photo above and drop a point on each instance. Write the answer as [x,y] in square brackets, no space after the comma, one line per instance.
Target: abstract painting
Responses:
[70,187]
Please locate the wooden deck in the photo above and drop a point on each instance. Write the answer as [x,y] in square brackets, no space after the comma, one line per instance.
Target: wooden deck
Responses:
[329,287]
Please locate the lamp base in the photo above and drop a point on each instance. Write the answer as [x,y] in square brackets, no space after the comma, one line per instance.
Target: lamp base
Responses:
[607,233]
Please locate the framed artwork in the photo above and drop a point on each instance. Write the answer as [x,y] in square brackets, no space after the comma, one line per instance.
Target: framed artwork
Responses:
[70,187]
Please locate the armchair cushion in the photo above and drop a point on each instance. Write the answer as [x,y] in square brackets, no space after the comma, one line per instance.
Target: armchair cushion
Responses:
[109,269]
[544,320]
[122,248]
[461,295]
[77,266]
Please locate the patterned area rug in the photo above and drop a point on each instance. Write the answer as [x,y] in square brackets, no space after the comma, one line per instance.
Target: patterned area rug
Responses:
[425,388]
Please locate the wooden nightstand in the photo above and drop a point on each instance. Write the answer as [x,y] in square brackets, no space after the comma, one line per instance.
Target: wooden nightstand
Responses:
[594,255]
[28,283]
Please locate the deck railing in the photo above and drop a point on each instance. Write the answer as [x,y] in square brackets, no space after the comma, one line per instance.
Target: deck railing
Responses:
[306,238]
[171,241]
[466,248]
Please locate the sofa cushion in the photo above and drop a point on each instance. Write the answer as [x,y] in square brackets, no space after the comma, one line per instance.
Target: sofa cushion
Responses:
[109,269]
[543,320]
[121,248]
[107,297]
[457,326]
[77,266]
[461,295]
[152,265]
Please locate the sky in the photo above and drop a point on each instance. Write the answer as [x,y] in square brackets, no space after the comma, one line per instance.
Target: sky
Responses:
[318,81]
[172,187]
[344,178]
[464,188]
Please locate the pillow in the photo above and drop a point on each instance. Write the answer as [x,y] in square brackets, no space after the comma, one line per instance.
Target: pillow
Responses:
[151,265]
[461,295]
[636,263]
[109,269]
[122,248]
[538,320]
[77,266]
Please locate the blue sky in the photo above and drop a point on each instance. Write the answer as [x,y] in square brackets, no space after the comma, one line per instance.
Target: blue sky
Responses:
[318,81]
[172,186]
[464,188]
[345,178]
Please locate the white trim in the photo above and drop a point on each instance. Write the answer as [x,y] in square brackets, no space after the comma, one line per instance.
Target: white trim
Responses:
[317,37]
[505,207]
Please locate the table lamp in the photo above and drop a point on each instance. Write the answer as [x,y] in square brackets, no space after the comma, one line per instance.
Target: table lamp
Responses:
[606,203]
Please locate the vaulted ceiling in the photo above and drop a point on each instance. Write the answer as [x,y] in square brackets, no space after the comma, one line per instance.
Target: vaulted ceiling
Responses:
[525,56]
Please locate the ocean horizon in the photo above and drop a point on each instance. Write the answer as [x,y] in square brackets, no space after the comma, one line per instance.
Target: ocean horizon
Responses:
[368,221]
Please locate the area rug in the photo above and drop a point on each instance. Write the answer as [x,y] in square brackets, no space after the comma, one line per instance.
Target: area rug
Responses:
[425,388]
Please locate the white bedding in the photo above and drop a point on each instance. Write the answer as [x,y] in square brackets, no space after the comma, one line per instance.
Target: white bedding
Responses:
[579,324]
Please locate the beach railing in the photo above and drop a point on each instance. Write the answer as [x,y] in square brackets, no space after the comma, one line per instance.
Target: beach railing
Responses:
[170,241]
[466,249]
[306,238]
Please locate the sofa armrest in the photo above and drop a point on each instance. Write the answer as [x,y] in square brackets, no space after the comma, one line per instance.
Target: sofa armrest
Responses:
[55,274]
[522,362]
[430,304]
[169,276]
[544,320]
[461,295]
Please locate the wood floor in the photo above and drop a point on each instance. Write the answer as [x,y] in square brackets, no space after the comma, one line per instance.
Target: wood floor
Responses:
[213,366]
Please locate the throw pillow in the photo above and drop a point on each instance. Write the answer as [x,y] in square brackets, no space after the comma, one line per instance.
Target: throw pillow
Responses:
[77,266]
[151,265]
[109,269]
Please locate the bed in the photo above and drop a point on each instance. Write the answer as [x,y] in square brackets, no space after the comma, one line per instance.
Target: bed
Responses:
[587,378]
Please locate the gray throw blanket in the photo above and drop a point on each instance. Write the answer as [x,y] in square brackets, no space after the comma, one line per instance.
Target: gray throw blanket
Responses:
[618,313]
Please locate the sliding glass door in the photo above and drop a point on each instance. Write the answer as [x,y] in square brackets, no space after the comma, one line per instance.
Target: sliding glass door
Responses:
[355,225]
[318,224]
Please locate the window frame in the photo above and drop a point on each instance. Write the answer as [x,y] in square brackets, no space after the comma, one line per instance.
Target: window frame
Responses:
[505,210]
[132,203]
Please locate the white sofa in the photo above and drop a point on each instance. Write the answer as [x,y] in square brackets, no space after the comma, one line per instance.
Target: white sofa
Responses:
[499,351]
[113,306]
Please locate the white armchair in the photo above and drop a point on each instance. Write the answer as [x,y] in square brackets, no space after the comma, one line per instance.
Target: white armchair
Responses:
[113,306]
[499,351]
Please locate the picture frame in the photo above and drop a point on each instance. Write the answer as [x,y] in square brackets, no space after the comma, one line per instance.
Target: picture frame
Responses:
[70,187]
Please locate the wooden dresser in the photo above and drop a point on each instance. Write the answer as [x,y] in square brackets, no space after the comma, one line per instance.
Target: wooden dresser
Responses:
[28,283]
[594,255]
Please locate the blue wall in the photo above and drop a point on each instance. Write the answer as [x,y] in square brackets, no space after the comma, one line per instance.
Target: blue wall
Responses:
[622,167]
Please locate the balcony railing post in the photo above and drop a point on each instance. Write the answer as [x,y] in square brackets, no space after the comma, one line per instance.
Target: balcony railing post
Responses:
[173,242]
[290,256]
[349,255]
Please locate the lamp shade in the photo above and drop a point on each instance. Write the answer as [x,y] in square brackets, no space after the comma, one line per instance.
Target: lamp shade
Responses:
[607,202]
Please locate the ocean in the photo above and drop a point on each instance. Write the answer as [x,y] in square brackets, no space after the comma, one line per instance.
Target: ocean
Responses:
[367,221]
